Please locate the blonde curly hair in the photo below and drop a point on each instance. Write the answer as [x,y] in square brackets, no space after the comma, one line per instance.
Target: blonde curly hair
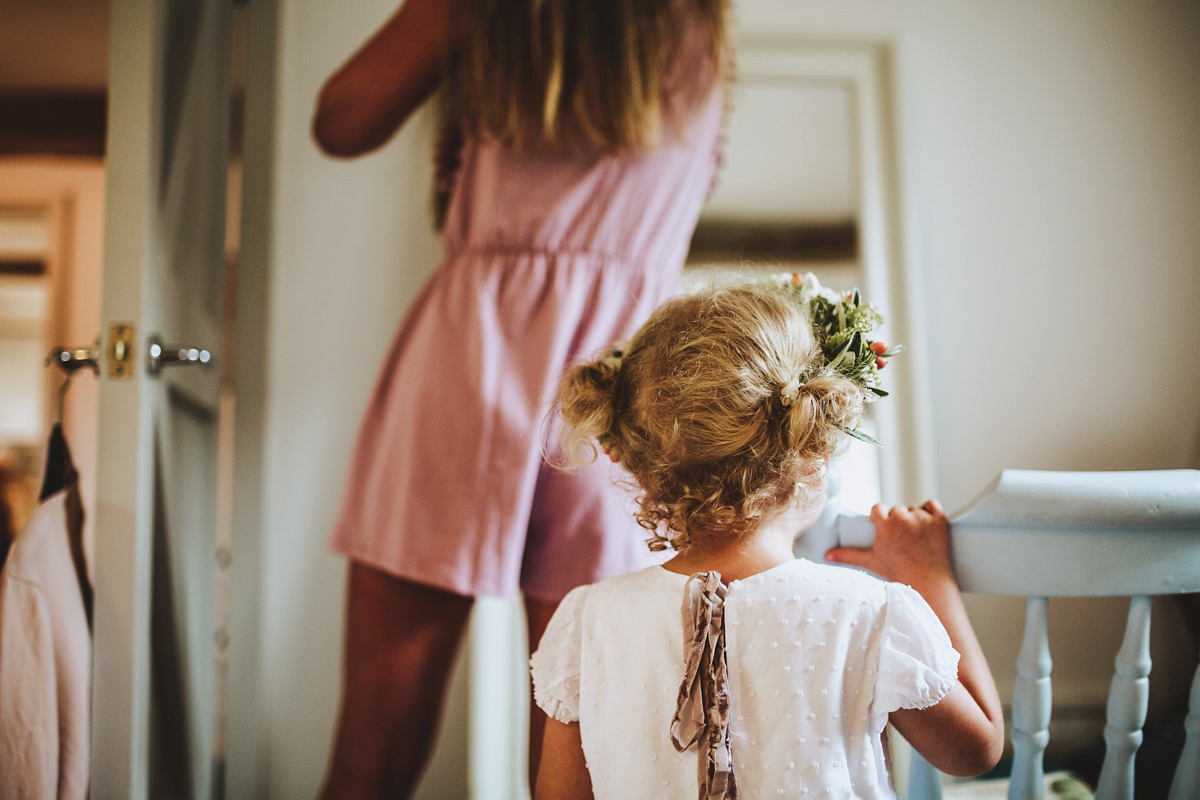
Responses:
[721,408]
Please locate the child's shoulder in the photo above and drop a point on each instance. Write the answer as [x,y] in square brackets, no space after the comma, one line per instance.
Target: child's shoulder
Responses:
[808,578]
[649,580]
[794,578]
[653,579]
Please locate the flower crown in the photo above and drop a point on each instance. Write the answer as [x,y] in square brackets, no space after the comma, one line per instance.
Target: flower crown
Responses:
[843,325]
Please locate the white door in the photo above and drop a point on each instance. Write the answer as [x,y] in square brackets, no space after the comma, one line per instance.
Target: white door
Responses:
[155,687]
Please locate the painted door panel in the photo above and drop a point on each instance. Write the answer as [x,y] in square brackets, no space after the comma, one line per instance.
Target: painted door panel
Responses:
[154,694]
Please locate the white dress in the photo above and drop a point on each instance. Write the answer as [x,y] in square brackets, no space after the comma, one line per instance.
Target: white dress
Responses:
[818,656]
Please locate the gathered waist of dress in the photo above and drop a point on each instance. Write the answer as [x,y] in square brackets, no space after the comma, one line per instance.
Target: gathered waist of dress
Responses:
[601,258]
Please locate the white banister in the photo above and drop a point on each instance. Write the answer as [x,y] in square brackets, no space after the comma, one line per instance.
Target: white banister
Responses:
[924,781]
[1186,785]
[1127,702]
[1031,704]
[1071,534]
[1096,534]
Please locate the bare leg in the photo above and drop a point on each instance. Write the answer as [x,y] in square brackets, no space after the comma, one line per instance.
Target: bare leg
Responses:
[401,639]
[537,616]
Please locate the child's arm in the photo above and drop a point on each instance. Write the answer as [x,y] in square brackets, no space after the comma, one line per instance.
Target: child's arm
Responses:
[370,96]
[563,773]
[963,734]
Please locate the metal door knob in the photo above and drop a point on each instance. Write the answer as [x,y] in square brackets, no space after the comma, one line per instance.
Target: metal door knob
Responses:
[159,355]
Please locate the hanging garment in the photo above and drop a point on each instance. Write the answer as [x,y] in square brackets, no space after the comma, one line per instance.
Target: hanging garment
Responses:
[45,646]
[60,475]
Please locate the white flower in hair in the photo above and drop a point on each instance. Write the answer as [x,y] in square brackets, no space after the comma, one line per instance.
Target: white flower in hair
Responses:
[790,391]
[806,285]
[810,287]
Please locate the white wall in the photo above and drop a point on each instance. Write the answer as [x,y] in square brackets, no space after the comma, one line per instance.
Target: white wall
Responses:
[350,245]
[1054,190]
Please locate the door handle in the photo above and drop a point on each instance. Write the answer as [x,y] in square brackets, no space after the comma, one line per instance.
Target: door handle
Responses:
[159,355]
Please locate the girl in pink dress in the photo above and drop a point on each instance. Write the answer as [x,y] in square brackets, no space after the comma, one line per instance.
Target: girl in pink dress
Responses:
[581,143]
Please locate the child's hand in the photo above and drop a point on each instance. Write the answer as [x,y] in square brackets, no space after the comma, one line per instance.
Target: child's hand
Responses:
[963,733]
[912,545]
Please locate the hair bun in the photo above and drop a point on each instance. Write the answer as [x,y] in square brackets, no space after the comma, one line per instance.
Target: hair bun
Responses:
[586,396]
[824,407]
[790,391]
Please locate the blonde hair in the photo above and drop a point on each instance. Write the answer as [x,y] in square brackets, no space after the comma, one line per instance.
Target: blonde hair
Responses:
[579,70]
[704,411]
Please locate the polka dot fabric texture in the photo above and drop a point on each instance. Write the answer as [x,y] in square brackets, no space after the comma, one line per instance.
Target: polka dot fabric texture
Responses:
[818,656]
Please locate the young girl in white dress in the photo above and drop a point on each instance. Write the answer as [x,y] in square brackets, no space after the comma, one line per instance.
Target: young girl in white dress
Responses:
[781,674]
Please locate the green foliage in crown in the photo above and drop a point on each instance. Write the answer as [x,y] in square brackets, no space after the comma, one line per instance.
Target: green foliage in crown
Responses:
[844,325]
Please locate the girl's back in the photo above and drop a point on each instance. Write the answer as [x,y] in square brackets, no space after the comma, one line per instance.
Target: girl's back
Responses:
[818,656]
[637,206]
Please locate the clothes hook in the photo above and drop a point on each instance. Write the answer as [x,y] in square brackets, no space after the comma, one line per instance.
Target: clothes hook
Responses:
[60,397]
[70,360]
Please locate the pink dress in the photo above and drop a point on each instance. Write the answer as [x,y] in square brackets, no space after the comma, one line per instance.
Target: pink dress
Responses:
[550,256]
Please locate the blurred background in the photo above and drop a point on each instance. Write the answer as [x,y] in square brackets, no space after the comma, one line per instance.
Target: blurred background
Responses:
[1038,169]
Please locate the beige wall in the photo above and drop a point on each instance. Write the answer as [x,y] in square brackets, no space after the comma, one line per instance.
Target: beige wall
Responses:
[1049,153]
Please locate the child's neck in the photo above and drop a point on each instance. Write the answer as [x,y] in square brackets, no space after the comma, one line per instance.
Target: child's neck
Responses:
[734,563]
[767,546]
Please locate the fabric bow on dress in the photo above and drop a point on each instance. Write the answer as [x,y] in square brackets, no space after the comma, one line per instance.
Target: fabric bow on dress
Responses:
[702,711]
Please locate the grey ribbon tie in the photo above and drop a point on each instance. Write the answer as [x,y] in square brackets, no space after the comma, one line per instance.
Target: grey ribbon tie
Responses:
[702,711]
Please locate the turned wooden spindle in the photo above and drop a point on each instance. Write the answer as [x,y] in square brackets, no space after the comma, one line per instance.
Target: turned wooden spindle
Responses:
[1128,699]
[1031,704]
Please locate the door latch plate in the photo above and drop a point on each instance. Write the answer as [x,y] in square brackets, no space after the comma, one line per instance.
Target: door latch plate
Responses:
[120,351]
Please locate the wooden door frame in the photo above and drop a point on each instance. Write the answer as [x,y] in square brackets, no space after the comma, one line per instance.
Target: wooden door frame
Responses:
[246,773]
[121,675]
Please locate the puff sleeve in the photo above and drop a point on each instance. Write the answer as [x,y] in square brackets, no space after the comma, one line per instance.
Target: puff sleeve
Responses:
[555,664]
[918,666]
